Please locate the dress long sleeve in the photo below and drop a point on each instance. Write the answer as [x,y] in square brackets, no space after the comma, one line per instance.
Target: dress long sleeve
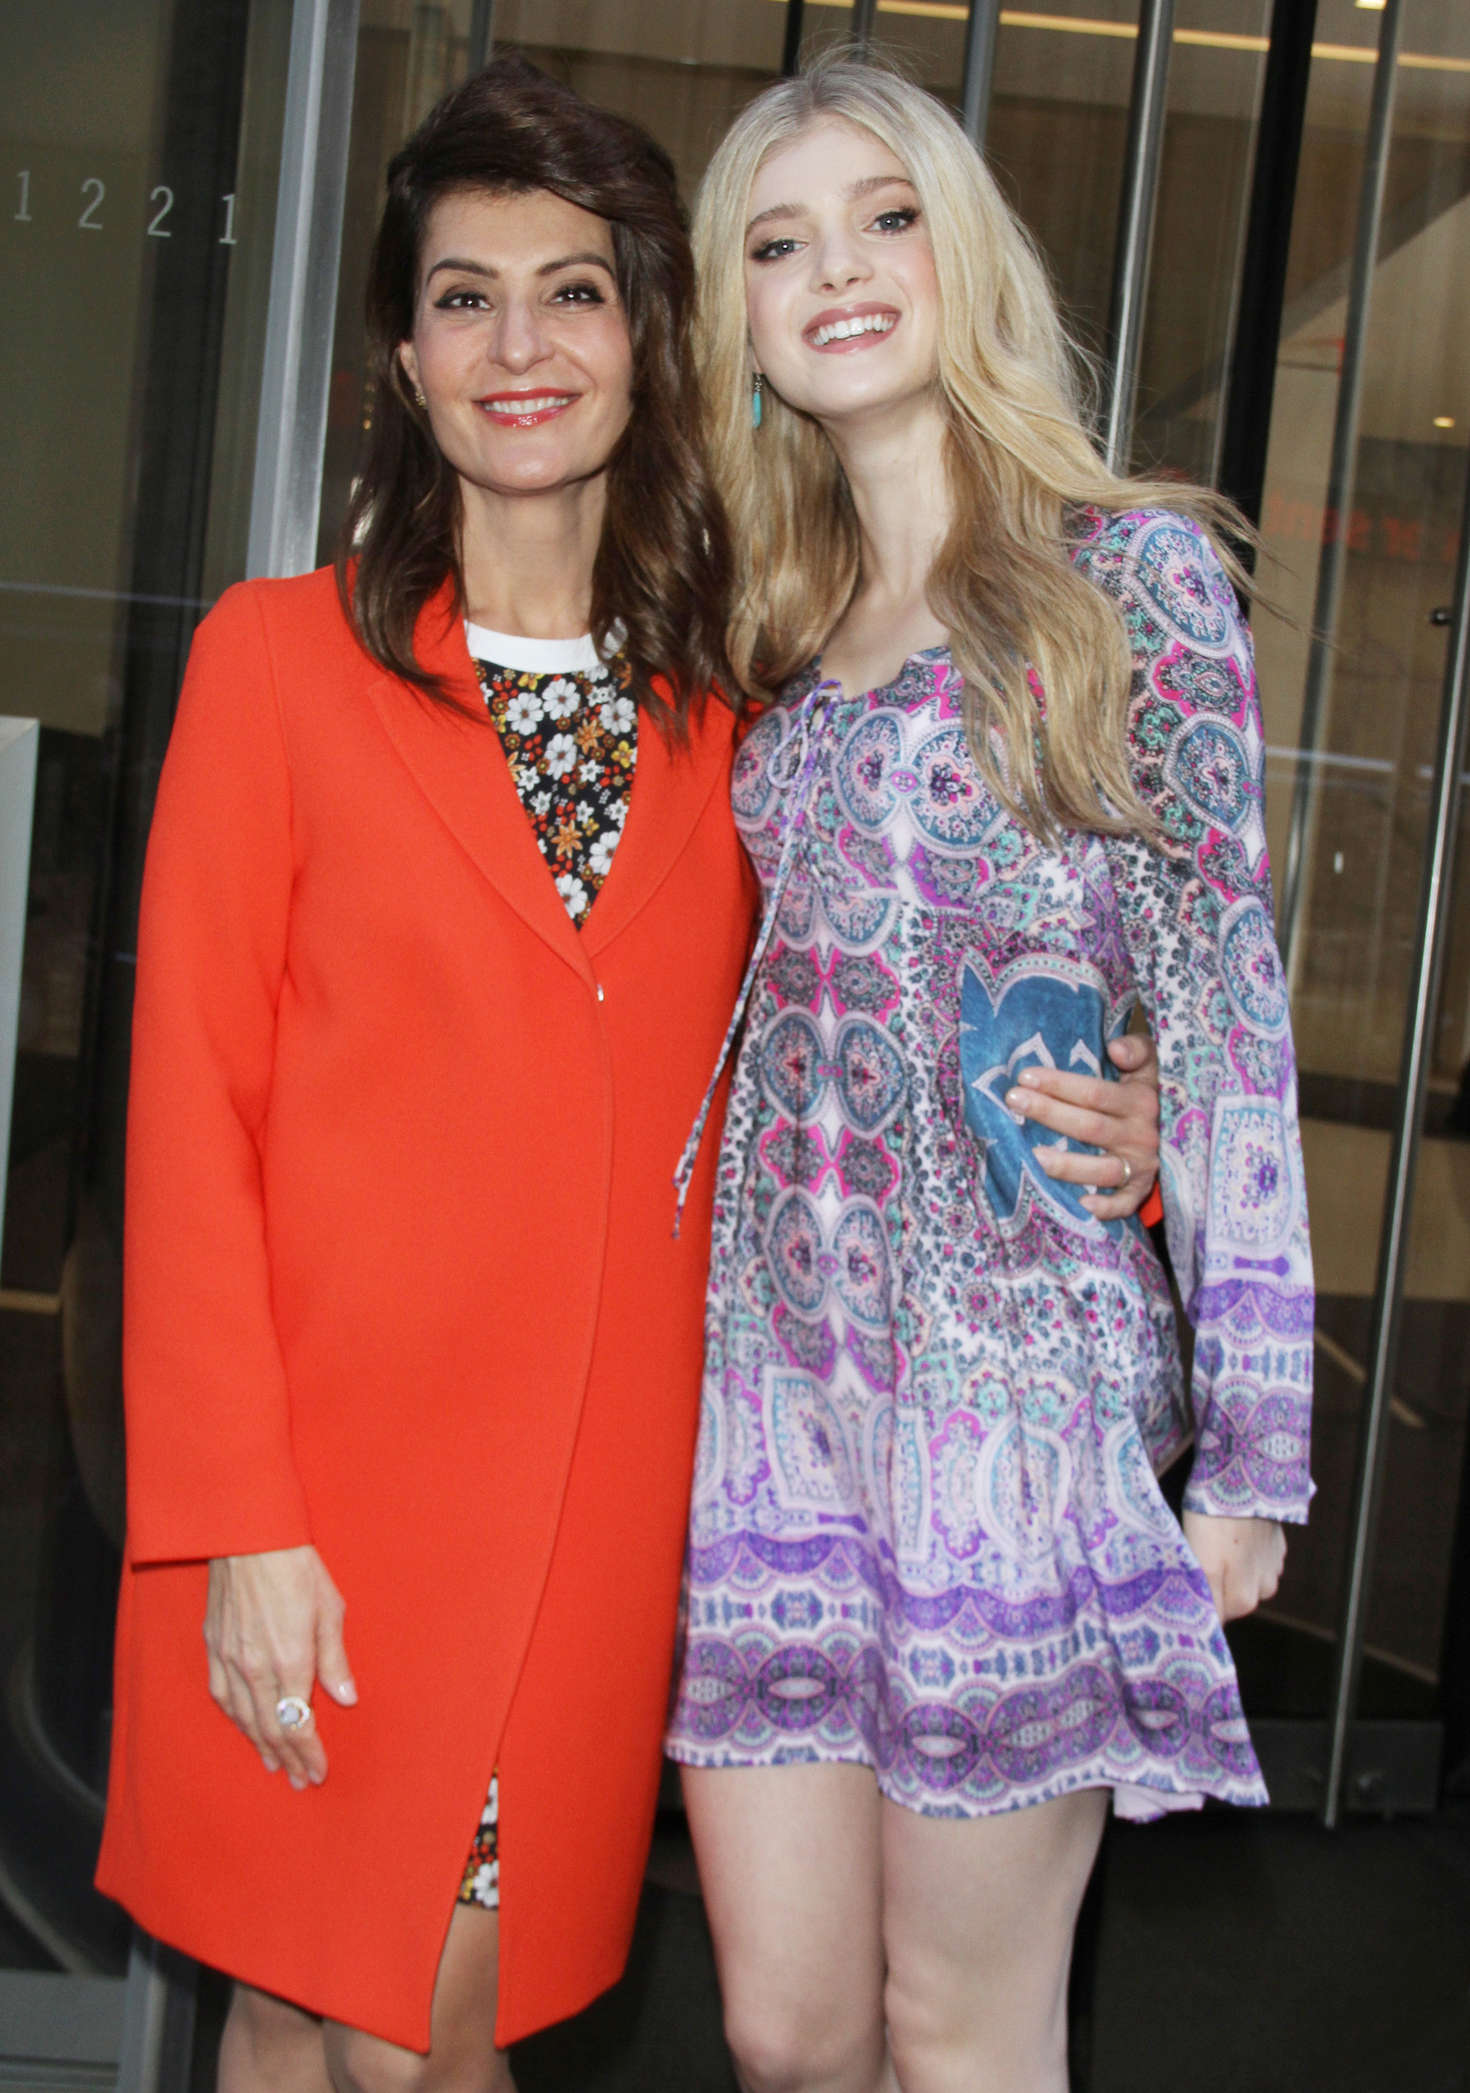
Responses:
[1197,917]
[210,1465]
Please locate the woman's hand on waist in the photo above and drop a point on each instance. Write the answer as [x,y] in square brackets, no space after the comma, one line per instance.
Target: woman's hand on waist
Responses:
[1118,1120]
[273,1630]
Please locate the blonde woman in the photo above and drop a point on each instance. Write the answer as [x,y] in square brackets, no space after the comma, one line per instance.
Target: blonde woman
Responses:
[938,1611]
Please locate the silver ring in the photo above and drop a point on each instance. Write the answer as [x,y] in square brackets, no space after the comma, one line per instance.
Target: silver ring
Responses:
[1127,1173]
[292,1712]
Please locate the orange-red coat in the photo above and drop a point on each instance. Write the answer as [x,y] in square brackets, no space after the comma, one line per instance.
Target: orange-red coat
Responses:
[401,1281]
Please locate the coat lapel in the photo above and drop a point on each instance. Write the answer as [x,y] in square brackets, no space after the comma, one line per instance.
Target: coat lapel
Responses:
[461,769]
[671,788]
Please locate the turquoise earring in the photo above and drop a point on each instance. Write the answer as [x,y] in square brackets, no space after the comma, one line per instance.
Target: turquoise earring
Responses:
[756,402]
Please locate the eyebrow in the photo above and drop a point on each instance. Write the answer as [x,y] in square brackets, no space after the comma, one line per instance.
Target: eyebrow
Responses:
[564,261]
[851,194]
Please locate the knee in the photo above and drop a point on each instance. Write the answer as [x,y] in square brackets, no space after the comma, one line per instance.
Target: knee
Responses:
[789,2046]
[359,2063]
[992,2038]
[267,2042]
[920,2031]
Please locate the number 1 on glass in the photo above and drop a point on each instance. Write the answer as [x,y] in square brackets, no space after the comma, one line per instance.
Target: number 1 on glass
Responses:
[227,237]
[23,215]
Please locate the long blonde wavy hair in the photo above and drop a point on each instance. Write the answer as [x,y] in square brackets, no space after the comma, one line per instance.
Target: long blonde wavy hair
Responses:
[1019,458]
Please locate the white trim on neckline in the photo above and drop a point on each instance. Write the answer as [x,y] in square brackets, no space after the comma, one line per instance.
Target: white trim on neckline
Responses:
[509,650]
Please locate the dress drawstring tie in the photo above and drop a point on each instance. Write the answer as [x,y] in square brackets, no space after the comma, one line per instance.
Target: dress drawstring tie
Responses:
[801,770]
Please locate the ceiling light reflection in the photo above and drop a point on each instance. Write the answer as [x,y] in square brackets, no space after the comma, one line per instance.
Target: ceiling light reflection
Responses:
[1127,32]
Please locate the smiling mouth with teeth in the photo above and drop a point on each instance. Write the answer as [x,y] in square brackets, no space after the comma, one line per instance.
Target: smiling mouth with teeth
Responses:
[848,330]
[529,407]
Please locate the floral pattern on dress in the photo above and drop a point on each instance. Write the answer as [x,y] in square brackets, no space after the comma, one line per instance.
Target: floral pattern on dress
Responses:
[481,1884]
[571,740]
[926,1534]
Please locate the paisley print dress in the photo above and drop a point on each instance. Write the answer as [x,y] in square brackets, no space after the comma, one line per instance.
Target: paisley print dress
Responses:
[926,1533]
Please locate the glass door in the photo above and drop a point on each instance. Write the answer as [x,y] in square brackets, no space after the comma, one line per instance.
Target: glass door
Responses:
[1364,487]
[139,142]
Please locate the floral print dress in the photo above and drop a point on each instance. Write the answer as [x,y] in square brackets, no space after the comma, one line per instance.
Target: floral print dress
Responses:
[926,1533]
[568,724]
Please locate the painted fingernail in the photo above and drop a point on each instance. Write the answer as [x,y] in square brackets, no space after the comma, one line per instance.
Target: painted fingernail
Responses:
[1016,1100]
[1031,1077]
[296,1781]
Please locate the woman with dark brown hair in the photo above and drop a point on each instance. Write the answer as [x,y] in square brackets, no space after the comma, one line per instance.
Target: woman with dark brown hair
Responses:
[443,921]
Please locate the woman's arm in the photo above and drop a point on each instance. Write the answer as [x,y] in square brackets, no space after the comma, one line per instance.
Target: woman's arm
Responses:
[1197,917]
[210,1467]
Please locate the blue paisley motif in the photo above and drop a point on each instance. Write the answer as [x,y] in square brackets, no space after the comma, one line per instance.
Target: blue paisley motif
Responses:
[1251,968]
[864,766]
[1209,766]
[1177,589]
[1029,1019]
[870,1074]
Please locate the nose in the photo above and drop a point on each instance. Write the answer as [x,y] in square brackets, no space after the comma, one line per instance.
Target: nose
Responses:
[518,339]
[838,261]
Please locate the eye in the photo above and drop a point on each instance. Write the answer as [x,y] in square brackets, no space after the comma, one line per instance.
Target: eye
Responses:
[579,294]
[898,220]
[773,250]
[462,299]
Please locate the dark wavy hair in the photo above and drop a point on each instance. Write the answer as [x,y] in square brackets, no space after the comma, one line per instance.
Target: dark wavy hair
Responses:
[662,570]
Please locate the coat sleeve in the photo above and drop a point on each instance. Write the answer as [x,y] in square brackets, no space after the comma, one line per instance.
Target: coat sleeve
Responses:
[210,1468]
[1196,914]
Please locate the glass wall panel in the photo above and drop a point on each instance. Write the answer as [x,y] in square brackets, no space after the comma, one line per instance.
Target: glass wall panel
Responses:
[1216,74]
[925,37]
[1359,797]
[1056,138]
[135,243]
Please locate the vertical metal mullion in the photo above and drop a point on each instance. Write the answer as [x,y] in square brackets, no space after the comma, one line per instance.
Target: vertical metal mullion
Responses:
[285,497]
[482,34]
[1146,114]
[791,47]
[1433,931]
[19,741]
[1342,474]
[1245,426]
[864,14]
[158,2019]
[978,79]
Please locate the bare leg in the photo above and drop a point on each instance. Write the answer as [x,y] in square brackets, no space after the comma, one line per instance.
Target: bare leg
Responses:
[978,1921]
[790,1868]
[269,2046]
[462,2054]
